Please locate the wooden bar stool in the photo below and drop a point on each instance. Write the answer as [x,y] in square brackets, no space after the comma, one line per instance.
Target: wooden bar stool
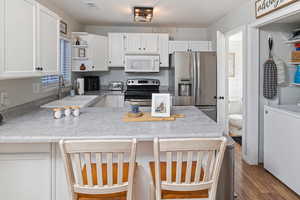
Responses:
[92,177]
[190,169]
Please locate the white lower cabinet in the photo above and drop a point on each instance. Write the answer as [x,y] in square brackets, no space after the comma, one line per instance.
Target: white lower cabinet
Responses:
[61,186]
[25,172]
[281,146]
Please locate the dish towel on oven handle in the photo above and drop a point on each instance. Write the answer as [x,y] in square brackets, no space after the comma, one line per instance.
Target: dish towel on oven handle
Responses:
[270,75]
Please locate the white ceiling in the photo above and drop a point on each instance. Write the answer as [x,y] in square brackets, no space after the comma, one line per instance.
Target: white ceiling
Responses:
[197,13]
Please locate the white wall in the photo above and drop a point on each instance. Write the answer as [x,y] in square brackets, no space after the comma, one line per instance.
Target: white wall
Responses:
[240,16]
[235,83]
[20,91]
[174,32]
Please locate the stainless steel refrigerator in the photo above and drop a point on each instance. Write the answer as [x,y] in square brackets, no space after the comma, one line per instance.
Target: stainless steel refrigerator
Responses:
[193,78]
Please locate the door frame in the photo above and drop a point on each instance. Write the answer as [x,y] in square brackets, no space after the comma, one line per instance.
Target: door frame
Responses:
[243,30]
[252,100]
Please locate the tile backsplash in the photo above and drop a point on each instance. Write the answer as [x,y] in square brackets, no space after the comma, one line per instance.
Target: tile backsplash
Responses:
[118,74]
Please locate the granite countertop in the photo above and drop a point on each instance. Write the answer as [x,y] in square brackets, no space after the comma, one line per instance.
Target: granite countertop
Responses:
[104,123]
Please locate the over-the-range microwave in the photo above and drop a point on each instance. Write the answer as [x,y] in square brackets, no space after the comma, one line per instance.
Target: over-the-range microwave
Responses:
[142,63]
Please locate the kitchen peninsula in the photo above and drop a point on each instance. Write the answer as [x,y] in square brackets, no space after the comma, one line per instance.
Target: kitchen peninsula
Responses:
[30,142]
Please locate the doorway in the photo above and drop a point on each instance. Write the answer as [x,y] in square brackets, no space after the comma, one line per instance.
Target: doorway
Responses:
[232,84]
[234,76]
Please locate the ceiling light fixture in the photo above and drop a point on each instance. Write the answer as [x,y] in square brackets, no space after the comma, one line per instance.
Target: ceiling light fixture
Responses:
[143,14]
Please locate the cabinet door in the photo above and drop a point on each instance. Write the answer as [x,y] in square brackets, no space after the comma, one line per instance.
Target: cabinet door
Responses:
[164,50]
[25,175]
[20,37]
[116,49]
[178,46]
[98,54]
[149,43]
[48,27]
[199,46]
[133,43]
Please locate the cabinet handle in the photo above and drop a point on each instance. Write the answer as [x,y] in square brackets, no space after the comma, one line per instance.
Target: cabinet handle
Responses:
[144,48]
[266,112]
[140,48]
[42,68]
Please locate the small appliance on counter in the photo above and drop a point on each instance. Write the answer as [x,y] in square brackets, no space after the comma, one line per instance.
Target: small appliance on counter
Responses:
[116,86]
[91,83]
[80,86]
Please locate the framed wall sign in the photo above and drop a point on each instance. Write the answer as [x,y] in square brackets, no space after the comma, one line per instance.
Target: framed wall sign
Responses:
[161,105]
[264,7]
[63,27]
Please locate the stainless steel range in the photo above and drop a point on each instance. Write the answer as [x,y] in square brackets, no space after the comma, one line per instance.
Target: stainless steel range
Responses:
[140,90]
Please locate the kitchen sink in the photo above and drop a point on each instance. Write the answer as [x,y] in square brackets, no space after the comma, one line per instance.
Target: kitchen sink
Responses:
[82,101]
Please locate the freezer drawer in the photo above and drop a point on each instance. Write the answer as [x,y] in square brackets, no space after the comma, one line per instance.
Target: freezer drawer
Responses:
[281,146]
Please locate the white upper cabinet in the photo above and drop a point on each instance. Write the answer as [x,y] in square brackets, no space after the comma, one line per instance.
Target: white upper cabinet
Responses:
[141,43]
[133,43]
[200,46]
[30,36]
[181,46]
[48,41]
[98,52]
[120,44]
[20,38]
[116,49]
[164,50]
[149,42]
[185,46]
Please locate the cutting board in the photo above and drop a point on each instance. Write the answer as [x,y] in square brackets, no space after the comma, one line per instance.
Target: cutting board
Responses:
[146,117]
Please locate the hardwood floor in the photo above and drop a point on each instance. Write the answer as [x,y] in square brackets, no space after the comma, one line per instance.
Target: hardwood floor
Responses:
[255,183]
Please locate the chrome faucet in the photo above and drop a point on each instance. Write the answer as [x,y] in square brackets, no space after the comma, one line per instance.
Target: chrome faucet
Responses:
[61,86]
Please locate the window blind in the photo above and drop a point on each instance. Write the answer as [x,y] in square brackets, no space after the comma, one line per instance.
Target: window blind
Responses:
[65,59]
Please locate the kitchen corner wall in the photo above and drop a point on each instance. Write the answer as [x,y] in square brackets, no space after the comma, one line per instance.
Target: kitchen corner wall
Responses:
[176,33]
[240,16]
[21,91]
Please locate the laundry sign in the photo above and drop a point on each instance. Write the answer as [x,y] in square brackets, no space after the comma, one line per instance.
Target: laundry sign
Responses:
[264,7]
